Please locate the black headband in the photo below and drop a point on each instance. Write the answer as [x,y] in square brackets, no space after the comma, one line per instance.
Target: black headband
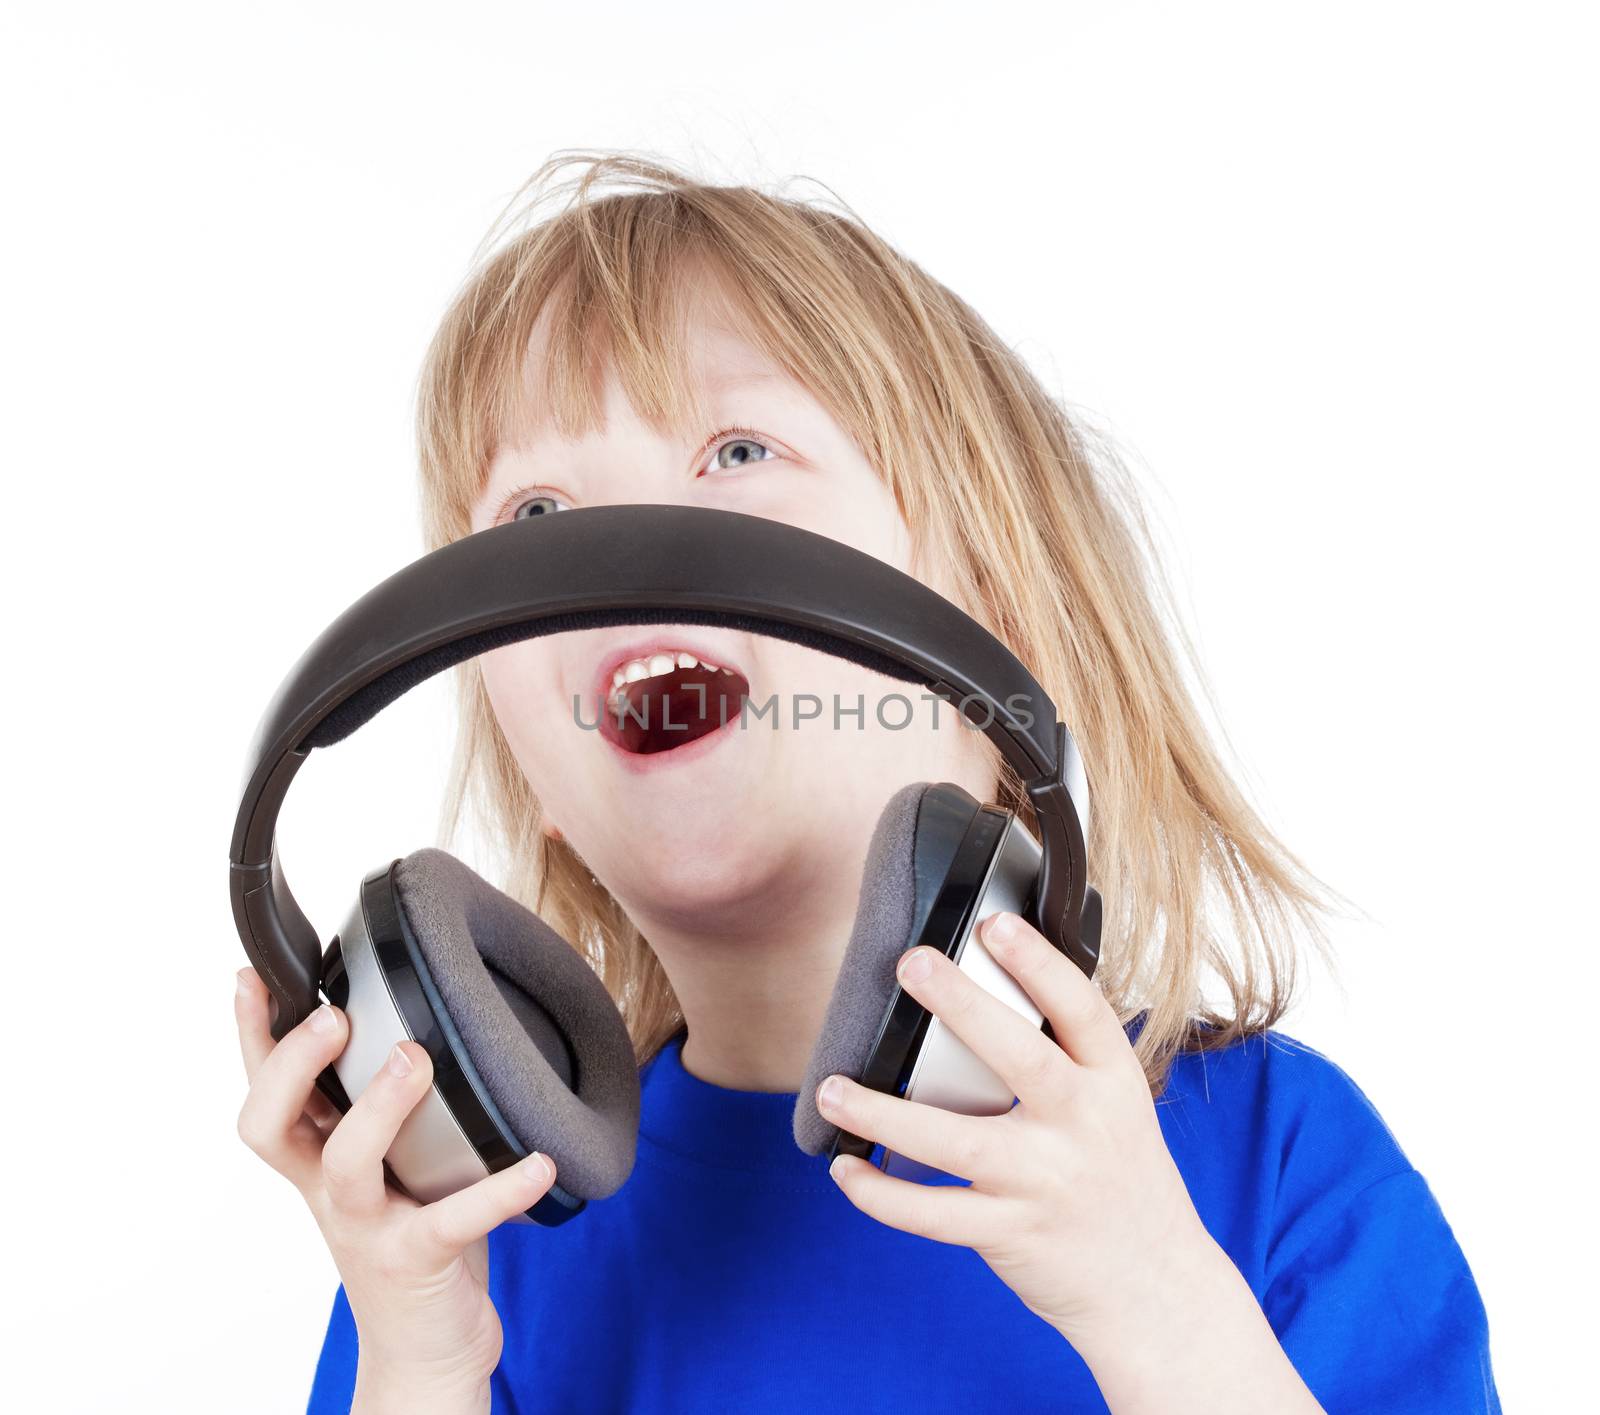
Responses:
[639,564]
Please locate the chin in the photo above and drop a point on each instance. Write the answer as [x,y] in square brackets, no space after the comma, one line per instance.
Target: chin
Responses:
[692,875]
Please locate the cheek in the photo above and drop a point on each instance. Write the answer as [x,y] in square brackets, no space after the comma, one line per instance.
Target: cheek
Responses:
[518,680]
[855,508]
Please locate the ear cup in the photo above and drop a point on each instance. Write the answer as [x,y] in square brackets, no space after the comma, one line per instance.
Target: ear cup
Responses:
[538,1025]
[915,839]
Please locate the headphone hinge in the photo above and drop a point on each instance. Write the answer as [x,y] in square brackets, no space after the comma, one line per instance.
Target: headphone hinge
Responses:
[1050,790]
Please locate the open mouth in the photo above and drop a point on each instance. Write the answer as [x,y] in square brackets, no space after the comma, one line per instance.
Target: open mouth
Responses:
[667,699]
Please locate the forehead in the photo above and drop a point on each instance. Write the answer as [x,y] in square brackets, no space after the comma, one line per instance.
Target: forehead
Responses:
[720,357]
[717,359]
[720,367]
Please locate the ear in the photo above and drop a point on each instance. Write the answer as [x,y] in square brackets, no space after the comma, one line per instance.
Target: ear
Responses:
[550,830]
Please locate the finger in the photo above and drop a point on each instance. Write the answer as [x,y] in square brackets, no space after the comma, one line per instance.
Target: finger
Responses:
[1084,1023]
[273,1120]
[452,1223]
[352,1158]
[972,1147]
[251,1014]
[947,1213]
[1035,1068]
[323,1112]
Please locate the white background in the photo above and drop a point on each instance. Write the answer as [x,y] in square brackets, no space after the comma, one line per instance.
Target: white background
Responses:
[1328,273]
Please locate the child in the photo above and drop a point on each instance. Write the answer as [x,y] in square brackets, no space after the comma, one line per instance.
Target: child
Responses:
[1186,1210]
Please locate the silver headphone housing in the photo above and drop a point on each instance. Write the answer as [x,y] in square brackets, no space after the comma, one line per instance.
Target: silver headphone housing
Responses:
[431,1155]
[946,1072]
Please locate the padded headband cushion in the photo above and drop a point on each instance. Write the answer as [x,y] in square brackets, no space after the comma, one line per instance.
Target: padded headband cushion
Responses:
[866,981]
[534,1018]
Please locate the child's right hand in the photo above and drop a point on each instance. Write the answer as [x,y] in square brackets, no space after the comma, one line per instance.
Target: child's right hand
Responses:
[416,1275]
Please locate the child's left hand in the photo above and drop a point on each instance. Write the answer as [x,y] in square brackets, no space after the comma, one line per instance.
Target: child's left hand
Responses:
[1074,1200]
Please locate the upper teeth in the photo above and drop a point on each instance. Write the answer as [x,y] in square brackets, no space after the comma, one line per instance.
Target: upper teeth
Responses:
[657,664]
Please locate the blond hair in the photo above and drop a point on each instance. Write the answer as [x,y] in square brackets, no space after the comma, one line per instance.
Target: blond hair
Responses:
[1046,540]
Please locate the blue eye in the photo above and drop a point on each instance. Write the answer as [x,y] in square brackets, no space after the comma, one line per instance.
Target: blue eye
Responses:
[735,452]
[541,504]
[737,445]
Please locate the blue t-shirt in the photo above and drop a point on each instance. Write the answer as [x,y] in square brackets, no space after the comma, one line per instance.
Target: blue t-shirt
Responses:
[730,1273]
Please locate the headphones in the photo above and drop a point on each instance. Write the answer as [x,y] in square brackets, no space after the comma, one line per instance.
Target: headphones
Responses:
[528,1048]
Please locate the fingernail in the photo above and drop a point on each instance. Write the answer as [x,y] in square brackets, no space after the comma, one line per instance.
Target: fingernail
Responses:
[915,965]
[1002,928]
[399,1064]
[537,1169]
[323,1020]
[833,1169]
[830,1093]
[241,981]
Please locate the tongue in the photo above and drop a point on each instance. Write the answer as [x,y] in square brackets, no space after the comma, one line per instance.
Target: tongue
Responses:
[674,709]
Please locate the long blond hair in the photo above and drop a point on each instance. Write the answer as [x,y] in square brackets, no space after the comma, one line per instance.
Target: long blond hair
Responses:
[1046,539]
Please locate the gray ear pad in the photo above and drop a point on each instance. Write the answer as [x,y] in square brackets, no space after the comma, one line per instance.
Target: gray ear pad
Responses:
[885,915]
[539,1026]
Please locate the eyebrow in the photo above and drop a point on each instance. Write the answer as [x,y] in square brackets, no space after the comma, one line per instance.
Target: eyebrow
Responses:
[734,380]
